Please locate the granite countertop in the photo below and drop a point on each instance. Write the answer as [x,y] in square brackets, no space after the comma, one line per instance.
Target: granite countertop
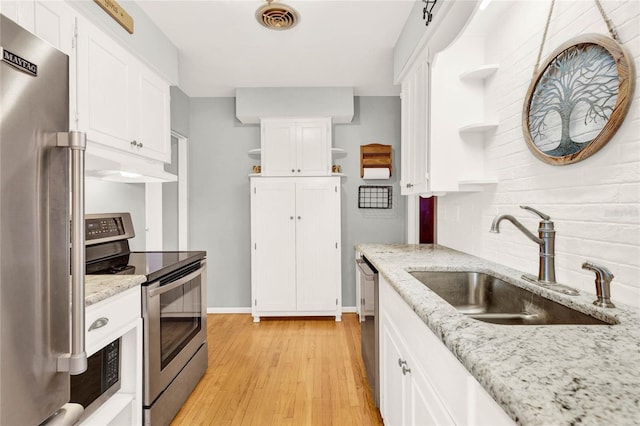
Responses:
[540,375]
[100,287]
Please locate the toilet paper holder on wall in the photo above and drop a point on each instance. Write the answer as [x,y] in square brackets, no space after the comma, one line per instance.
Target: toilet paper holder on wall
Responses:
[375,156]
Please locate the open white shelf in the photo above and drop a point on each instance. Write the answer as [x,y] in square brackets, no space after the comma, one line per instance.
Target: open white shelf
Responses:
[255,152]
[339,152]
[477,128]
[480,73]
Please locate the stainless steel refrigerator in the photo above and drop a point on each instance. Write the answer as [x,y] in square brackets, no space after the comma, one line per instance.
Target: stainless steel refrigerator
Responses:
[41,247]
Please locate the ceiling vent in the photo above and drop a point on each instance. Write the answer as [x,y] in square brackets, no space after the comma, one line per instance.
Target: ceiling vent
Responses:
[277,16]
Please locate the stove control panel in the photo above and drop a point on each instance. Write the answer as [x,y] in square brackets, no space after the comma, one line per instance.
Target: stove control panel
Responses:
[101,228]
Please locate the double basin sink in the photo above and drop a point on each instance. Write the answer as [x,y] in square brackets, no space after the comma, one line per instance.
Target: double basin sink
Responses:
[486,298]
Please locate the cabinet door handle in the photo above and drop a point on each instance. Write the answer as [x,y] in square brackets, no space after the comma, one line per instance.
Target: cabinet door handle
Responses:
[99,323]
[401,362]
[405,370]
[409,185]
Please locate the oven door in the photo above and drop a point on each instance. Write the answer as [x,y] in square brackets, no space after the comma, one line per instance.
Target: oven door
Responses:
[175,326]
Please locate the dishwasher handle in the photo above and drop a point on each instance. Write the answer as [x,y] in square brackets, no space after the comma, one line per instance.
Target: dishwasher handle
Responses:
[365,268]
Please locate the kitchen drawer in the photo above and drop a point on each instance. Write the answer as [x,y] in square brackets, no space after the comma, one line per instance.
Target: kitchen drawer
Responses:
[111,318]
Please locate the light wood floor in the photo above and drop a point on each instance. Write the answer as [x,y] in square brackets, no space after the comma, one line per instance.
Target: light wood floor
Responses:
[282,372]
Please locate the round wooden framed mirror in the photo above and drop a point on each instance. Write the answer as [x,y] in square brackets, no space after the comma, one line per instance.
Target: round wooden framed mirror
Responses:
[578,99]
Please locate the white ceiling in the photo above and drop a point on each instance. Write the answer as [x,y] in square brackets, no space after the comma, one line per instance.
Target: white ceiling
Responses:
[336,43]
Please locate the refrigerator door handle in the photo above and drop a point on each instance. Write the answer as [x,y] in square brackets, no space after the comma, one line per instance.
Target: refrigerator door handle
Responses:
[76,362]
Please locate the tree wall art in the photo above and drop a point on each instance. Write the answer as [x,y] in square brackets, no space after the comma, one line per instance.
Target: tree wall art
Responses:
[578,99]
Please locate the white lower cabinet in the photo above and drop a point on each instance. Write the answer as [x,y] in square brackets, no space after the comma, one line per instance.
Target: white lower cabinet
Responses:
[295,246]
[105,321]
[422,383]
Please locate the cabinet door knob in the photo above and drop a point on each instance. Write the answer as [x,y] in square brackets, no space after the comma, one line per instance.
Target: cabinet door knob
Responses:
[139,144]
[298,170]
[134,143]
[299,217]
[402,363]
[291,217]
[293,170]
[409,185]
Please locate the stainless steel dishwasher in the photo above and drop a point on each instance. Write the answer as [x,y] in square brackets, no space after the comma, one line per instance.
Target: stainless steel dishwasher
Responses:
[369,324]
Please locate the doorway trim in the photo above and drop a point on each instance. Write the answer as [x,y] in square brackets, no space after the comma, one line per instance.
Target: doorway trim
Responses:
[183,188]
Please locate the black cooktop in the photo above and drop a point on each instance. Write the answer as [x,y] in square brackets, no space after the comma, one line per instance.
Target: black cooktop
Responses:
[152,264]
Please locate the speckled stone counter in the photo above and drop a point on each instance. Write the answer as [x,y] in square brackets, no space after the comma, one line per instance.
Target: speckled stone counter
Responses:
[540,375]
[100,287]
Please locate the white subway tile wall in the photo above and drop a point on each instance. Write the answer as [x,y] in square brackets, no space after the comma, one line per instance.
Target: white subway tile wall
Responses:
[595,204]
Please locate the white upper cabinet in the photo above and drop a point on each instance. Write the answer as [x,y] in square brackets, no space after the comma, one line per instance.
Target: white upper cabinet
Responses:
[122,104]
[444,122]
[54,21]
[296,147]
[414,129]
[153,115]
[19,11]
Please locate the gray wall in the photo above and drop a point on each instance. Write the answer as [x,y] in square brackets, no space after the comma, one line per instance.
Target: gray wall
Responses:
[219,202]
[114,197]
[376,120]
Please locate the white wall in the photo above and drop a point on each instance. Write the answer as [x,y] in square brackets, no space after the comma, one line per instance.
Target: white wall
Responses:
[114,197]
[595,204]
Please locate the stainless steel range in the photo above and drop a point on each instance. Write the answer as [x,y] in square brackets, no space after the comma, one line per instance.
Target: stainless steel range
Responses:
[173,310]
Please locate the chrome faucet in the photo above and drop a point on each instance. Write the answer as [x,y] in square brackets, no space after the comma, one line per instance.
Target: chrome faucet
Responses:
[546,241]
[603,284]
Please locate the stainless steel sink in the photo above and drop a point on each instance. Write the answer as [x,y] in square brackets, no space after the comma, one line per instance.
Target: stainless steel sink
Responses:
[489,299]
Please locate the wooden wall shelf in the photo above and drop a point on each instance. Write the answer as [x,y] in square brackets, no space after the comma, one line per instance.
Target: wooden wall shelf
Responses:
[375,156]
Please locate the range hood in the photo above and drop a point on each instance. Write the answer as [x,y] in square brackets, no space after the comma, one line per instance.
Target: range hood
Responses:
[126,170]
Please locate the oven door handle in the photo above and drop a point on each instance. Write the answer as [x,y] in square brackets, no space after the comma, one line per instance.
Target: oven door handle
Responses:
[182,281]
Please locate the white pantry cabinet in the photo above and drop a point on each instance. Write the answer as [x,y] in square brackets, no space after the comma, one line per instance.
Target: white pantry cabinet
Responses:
[105,321]
[122,104]
[295,247]
[421,381]
[296,147]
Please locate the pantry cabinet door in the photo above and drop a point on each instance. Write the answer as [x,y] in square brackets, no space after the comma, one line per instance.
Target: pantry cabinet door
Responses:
[273,234]
[313,148]
[278,145]
[317,237]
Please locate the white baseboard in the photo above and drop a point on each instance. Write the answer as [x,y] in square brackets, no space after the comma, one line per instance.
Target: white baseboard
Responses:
[215,310]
